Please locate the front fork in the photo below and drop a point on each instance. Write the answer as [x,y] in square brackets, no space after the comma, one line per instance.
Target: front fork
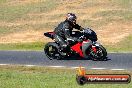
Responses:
[94,48]
[93,51]
[94,45]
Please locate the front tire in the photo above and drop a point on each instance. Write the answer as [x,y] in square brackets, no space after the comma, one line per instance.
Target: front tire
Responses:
[51,51]
[101,53]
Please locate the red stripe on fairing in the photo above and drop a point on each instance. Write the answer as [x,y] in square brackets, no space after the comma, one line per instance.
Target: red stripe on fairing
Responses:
[86,41]
[51,32]
[76,48]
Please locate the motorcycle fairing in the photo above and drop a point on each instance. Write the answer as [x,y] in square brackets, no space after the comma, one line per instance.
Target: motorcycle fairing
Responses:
[77,48]
[81,48]
[85,45]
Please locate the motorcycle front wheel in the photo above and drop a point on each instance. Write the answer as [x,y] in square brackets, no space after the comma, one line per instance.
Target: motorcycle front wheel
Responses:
[100,54]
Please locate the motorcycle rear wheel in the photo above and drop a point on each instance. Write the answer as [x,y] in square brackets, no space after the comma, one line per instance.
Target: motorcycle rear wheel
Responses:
[51,51]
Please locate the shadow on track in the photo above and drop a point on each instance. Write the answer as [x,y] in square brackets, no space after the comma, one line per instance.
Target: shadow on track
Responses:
[79,58]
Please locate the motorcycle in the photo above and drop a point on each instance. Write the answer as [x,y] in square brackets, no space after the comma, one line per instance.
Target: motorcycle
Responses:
[83,49]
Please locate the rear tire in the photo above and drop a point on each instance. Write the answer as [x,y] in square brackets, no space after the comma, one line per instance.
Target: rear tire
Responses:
[51,51]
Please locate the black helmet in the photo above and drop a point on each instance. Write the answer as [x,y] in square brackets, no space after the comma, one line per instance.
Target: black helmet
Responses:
[71,17]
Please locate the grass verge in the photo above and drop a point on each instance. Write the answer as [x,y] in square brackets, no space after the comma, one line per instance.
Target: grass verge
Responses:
[44,77]
[22,46]
[17,12]
[40,45]
[123,46]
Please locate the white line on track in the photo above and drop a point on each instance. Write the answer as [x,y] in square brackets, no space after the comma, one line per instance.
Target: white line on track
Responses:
[4,64]
[30,65]
[76,67]
[57,66]
[64,67]
[117,69]
[97,68]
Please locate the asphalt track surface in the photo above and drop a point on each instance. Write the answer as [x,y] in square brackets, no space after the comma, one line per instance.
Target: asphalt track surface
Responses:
[115,60]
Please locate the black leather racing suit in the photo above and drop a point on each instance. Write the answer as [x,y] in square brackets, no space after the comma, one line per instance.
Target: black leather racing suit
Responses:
[64,31]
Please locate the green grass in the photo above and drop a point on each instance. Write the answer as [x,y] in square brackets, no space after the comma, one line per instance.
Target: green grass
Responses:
[5,30]
[22,46]
[11,13]
[118,11]
[36,27]
[115,15]
[41,77]
[123,46]
[2,1]
[124,3]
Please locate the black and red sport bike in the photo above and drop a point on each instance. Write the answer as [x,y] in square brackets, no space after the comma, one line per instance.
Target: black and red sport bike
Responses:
[84,48]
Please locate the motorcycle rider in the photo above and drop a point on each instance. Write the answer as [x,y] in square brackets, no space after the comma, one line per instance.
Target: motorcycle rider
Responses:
[63,32]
